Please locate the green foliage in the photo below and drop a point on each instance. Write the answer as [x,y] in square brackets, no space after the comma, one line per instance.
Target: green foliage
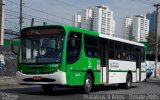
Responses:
[150,45]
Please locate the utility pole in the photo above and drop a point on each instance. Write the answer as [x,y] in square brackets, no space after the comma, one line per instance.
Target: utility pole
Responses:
[32,22]
[21,17]
[44,23]
[156,38]
[2,22]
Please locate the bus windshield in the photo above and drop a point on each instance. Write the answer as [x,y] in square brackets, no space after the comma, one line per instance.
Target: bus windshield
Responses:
[43,48]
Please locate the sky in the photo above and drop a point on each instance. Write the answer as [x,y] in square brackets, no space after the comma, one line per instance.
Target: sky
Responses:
[62,11]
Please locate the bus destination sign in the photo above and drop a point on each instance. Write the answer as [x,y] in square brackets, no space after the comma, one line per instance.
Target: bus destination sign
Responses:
[50,31]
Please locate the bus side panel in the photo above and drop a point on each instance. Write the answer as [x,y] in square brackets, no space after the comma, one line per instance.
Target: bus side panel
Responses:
[134,77]
[75,77]
[118,71]
[97,77]
[143,71]
[117,77]
[69,77]
[76,72]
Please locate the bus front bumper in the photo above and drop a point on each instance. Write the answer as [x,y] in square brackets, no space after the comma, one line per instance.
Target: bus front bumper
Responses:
[55,78]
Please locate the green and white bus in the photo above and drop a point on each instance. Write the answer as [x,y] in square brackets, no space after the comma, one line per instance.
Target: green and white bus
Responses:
[57,55]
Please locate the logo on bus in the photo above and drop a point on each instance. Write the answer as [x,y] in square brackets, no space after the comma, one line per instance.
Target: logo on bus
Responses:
[114,65]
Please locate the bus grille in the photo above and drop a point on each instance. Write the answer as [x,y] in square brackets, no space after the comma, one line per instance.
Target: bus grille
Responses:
[41,80]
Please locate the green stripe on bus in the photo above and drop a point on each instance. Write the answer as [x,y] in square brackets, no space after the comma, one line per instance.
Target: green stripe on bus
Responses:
[120,71]
[123,71]
[143,71]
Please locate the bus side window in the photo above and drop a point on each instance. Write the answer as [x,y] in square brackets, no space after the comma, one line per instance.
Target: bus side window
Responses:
[111,49]
[125,54]
[142,55]
[91,46]
[118,50]
[131,53]
[74,47]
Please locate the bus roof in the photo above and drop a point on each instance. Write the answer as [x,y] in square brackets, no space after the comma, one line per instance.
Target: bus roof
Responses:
[120,40]
[67,29]
[103,35]
[84,31]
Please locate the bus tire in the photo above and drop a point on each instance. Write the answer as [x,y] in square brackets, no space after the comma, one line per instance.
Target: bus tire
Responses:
[47,88]
[88,84]
[128,81]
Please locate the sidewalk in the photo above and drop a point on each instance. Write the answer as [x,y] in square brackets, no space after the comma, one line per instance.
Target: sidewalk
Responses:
[8,80]
[152,78]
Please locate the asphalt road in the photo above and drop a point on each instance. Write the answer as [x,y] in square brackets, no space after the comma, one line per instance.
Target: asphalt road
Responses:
[139,91]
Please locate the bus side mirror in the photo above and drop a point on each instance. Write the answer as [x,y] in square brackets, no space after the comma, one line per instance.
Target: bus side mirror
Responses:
[15,45]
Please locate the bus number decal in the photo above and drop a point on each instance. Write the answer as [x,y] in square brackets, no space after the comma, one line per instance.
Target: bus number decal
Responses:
[89,63]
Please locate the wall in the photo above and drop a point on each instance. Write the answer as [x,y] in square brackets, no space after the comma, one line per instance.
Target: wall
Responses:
[7,62]
[151,67]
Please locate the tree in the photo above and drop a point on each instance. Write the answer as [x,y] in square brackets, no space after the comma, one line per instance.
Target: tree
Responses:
[151,42]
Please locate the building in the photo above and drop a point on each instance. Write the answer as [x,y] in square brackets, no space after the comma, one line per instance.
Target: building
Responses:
[127,28]
[140,28]
[152,21]
[87,20]
[103,21]
[99,19]
[77,20]
[135,28]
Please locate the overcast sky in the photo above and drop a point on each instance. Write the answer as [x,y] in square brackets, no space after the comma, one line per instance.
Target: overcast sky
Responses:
[61,11]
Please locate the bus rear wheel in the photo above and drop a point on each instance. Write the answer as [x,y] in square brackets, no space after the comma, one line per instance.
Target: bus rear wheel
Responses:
[128,81]
[47,88]
[88,84]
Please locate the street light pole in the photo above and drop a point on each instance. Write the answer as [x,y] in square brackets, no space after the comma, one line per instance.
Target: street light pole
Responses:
[20,18]
[156,39]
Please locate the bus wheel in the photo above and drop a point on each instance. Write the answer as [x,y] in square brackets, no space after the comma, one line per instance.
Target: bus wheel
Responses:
[128,81]
[47,88]
[88,83]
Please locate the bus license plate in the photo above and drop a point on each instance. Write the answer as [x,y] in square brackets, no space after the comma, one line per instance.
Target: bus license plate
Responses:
[37,77]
